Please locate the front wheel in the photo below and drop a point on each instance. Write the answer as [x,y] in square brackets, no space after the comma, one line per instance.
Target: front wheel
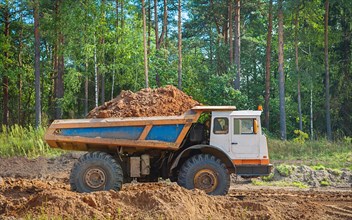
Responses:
[205,172]
[96,171]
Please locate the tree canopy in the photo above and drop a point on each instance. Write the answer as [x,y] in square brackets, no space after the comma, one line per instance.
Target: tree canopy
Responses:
[90,50]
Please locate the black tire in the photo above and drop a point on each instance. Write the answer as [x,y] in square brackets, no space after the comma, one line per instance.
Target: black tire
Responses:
[96,171]
[205,172]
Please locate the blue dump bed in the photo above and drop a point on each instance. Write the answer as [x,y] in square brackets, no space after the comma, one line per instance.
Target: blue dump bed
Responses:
[146,132]
[166,133]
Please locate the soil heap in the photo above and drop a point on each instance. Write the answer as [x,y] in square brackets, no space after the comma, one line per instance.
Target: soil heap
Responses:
[166,101]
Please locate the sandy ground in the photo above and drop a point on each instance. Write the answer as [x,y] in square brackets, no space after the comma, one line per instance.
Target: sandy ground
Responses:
[39,188]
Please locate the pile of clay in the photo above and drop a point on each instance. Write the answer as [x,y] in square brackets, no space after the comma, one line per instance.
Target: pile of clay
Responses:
[165,101]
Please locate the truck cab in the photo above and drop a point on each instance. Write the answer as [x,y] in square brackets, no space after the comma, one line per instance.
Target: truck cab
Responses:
[239,135]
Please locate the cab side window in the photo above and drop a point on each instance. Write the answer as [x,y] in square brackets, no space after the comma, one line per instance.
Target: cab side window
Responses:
[243,126]
[221,125]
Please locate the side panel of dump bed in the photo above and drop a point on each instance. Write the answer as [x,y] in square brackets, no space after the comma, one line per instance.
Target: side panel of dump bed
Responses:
[104,134]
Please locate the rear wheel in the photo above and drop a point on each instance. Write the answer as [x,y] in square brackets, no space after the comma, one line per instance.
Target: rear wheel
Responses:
[205,172]
[96,171]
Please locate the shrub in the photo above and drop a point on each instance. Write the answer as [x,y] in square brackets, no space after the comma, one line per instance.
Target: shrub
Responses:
[301,137]
[285,170]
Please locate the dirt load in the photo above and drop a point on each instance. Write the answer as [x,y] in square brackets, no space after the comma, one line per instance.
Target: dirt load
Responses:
[166,101]
[39,189]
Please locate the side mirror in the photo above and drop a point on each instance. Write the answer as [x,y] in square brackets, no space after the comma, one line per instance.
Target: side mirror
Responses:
[255,126]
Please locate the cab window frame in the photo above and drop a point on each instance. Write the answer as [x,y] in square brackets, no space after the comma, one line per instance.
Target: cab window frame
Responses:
[238,126]
[219,129]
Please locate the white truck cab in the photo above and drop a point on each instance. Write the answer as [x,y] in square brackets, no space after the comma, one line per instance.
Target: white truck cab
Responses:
[239,135]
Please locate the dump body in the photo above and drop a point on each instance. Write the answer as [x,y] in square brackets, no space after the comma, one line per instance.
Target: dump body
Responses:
[166,132]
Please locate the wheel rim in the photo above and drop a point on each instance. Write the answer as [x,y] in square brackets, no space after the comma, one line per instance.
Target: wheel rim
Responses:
[206,180]
[95,178]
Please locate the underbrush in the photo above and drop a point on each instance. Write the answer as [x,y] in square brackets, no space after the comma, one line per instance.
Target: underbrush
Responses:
[312,153]
[24,141]
[297,184]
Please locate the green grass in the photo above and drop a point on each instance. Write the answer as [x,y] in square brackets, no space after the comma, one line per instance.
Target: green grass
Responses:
[301,185]
[24,141]
[285,170]
[322,153]
[325,182]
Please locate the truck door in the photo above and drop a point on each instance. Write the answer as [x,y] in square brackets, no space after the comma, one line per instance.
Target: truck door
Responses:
[244,142]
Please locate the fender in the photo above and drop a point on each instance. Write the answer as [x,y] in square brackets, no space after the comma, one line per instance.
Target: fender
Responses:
[209,149]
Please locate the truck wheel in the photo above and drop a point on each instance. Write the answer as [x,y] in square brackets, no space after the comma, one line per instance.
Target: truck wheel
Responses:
[205,172]
[96,171]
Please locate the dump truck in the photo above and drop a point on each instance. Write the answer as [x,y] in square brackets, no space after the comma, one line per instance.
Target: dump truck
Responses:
[178,148]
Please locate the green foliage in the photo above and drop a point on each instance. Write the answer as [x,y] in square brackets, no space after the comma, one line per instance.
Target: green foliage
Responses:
[347,140]
[268,178]
[318,167]
[300,185]
[301,137]
[324,182]
[219,91]
[285,170]
[21,141]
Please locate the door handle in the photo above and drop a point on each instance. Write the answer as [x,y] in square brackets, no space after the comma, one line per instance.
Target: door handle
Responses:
[234,143]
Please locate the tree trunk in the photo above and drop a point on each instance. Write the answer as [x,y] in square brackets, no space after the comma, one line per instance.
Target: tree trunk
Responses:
[102,57]
[230,33]
[157,76]
[327,77]
[5,79]
[59,93]
[145,46]
[117,13]
[86,90]
[20,65]
[59,63]
[164,31]
[37,64]
[237,44]
[122,14]
[267,66]
[96,75]
[179,46]
[149,25]
[281,72]
[311,112]
[297,69]
[156,24]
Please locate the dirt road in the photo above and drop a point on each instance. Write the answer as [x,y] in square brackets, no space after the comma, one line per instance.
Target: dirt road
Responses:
[39,189]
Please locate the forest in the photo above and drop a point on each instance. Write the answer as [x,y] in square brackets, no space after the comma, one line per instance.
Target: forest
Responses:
[61,58]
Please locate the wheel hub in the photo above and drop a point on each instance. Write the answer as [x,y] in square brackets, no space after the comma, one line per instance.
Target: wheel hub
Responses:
[95,178]
[206,180]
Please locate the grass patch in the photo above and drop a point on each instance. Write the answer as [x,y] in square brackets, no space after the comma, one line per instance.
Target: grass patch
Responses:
[301,185]
[285,170]
[336,154]
[318,167]
[24,141]
[324,182]
[268,178]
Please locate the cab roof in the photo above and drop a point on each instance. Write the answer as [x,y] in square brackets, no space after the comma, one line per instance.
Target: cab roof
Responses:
[214,108]
[246,113]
